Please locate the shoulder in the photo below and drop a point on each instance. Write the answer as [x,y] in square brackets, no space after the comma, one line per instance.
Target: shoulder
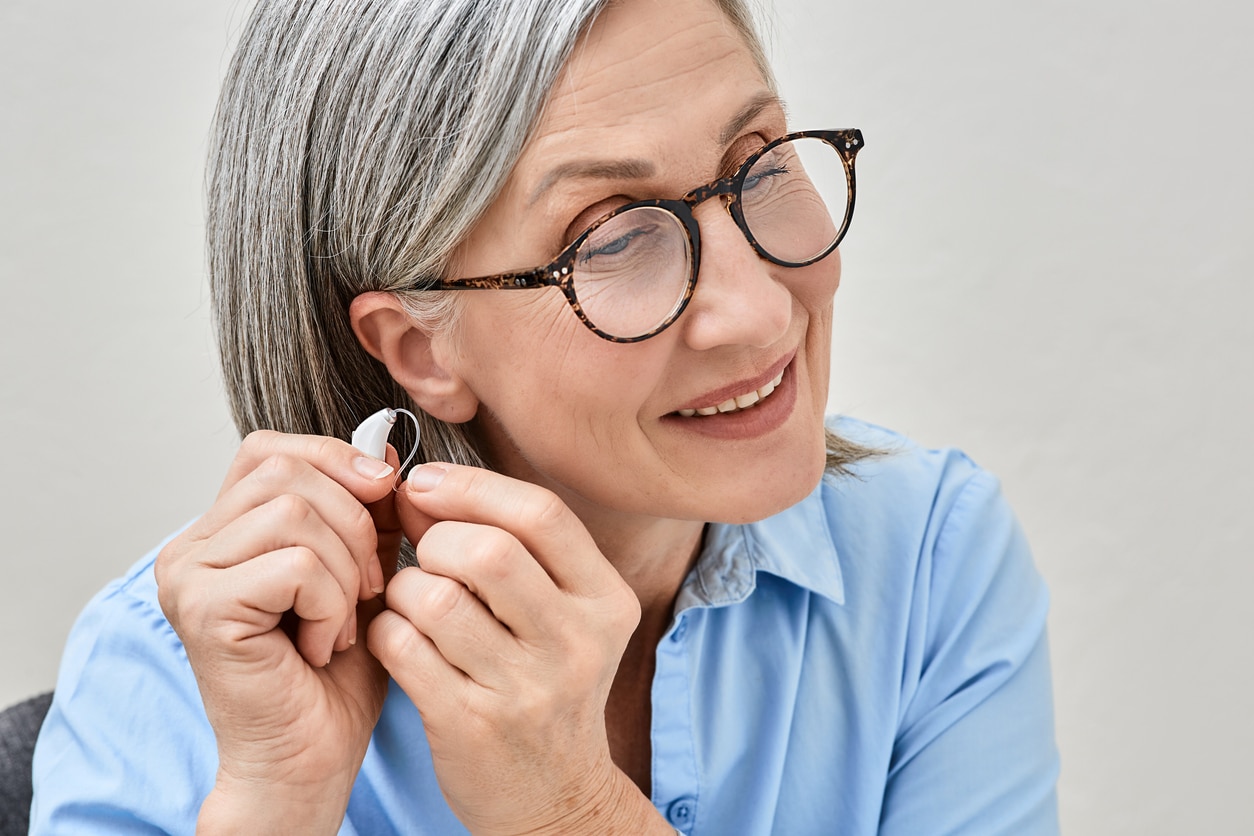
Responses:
[909,499]
[938,573]
[126,739]
[929,534]
[122,617]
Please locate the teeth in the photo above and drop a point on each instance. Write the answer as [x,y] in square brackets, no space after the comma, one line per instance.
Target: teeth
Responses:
[744,401]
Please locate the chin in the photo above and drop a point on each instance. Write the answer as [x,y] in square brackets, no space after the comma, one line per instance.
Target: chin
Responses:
[757,499]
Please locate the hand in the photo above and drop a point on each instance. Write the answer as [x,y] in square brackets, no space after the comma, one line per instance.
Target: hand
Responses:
[507,639]
[264,590]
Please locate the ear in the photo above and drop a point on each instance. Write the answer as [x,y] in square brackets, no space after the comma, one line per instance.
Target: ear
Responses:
[420,361]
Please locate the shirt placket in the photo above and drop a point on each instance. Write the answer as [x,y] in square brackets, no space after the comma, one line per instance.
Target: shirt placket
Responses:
[676,781]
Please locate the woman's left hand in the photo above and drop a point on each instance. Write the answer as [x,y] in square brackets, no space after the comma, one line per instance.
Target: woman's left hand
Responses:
[507,640]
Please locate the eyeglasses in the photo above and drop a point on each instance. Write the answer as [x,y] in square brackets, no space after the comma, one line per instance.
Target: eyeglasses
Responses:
[631,274]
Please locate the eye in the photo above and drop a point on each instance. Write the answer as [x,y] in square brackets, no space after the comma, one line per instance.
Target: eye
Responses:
[760,174]
[612,247]
[625,236]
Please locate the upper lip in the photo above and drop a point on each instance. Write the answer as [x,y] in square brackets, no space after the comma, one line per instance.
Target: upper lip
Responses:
[714,397]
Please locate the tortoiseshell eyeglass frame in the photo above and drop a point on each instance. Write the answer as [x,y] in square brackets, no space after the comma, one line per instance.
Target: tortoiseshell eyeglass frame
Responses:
[560,272]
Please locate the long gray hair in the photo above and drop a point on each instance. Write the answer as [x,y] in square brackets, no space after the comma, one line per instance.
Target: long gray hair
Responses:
[355,145]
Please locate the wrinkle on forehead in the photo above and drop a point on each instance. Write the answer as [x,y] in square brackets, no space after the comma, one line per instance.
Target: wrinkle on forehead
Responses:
[612,83]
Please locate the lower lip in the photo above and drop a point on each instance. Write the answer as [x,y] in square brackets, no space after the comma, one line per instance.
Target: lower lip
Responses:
[766,416]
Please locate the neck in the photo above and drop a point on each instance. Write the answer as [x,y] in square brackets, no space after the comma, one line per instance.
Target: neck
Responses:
[652,554]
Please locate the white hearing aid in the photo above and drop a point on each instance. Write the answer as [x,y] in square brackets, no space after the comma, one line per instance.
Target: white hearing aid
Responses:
[371,435]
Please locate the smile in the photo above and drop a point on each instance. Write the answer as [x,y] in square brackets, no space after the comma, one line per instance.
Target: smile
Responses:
[739,402]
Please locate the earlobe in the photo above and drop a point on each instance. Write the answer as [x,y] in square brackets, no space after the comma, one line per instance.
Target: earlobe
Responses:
[421,362]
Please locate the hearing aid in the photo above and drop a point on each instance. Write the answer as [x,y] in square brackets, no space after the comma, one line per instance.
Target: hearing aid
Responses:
[371,435]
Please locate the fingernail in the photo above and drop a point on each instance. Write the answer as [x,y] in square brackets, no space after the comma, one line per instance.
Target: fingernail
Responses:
[371,468]
[426,477]
[374,573]
[352,628]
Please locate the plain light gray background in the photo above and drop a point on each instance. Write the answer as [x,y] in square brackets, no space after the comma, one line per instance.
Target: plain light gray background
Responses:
[1050,267]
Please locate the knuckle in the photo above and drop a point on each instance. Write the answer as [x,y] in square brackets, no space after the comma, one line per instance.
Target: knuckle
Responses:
[290,509]
[352,578]
[488,553]
[301,561]
[326,448]
[391,637]
[440,597]
[624,621]
[276,469]
[362,527]
[546,511]
[165,561]
[257,442]
[166,575]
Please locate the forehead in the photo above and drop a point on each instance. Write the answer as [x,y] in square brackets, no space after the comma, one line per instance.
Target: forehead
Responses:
[650,75]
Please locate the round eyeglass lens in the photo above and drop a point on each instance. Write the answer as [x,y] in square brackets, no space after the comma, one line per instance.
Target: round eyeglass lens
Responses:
[632,271]
[795,198]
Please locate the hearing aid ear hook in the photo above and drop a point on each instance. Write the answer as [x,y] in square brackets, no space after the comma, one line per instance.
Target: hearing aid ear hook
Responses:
[371,435]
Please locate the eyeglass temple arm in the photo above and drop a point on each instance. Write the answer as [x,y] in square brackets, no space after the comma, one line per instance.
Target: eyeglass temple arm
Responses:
[544,277]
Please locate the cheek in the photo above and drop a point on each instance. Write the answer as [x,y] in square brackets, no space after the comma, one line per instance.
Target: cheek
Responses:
[819,282]
[526,354]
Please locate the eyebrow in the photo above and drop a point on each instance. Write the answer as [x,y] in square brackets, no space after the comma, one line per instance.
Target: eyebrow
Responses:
[752,110]
[629,169]
[638,169]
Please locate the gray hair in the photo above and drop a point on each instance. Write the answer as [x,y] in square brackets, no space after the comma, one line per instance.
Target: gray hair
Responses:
[355,145]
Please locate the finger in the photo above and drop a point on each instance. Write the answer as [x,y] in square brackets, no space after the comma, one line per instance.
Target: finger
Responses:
[496,568]
[360,676]
[292,579]
[389,533]
[416,664]
[364,477]
[537,517]
[415,523]
[287,521]
[467,635]
[284,475]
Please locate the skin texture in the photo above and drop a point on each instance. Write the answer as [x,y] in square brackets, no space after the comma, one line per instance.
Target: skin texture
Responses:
[526,639]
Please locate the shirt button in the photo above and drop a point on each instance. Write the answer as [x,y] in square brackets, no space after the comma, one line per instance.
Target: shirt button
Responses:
[681,630]
[682,812]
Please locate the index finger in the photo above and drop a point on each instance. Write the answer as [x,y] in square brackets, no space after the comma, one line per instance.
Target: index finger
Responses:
[546,527]
[359,474]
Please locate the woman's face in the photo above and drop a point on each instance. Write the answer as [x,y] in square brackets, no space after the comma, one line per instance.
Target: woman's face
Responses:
[659,98]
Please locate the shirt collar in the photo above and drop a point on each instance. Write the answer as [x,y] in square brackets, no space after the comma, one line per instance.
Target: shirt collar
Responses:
[795,544]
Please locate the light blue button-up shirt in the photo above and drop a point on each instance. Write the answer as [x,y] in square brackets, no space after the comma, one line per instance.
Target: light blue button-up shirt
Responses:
[872,660]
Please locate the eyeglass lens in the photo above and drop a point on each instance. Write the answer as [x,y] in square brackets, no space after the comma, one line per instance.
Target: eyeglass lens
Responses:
[631,272]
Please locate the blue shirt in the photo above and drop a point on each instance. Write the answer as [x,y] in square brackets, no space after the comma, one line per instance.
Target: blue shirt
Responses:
[871,660]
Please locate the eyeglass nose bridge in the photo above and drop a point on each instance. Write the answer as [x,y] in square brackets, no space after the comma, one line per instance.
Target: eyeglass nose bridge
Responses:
[726,188]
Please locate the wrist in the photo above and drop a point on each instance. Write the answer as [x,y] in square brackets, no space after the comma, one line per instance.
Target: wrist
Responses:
[250,806]
[616,806]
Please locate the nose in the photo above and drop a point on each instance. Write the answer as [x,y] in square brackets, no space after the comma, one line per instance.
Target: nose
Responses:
[737,300]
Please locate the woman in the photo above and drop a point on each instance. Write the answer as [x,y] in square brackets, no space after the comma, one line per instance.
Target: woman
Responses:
[649,592]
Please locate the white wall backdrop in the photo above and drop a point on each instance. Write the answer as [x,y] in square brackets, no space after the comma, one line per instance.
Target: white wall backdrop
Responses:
[1050,267]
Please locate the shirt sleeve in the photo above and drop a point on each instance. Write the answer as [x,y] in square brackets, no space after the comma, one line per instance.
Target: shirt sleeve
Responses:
[975,751]
[126,747]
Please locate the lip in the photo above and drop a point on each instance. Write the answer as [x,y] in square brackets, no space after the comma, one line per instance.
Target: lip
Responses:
[755,422]
[717,396]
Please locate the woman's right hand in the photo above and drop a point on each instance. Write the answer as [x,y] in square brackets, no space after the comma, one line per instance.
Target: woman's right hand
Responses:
[264,592]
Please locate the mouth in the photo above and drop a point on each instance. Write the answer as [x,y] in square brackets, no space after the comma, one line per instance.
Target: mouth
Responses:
[736,403]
